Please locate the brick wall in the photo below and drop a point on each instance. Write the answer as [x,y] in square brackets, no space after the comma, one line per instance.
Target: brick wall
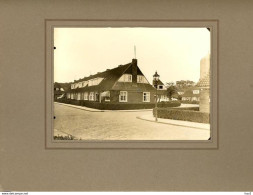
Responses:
[132,97]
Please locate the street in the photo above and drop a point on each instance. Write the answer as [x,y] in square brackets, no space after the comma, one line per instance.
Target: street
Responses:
[118,125]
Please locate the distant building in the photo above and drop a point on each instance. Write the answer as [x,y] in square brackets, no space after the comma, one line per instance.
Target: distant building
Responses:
[204,84]
[204,66]
[190,94]
[161,91]
[60,90]
[123,84]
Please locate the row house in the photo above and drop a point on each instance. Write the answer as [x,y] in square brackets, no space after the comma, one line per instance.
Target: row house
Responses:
[189,94]
[123,84]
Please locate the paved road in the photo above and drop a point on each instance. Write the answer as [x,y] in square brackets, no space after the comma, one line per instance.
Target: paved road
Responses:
[116,125]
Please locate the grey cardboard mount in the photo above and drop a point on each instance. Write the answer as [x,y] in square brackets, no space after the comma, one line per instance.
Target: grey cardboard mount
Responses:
[28,162]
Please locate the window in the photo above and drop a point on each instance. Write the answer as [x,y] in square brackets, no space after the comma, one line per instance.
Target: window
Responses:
[123,96]
[163,97]
[91,97]
[85,83]
[195,91]
[90,82]
[95,81]
[141,79]
[96,96]
[146,96]
[125,78]
[160,86]
[85,96]
[128,78]
[79,96]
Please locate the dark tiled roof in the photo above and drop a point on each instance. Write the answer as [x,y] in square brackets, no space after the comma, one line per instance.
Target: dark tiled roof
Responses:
[57,85]
[58,92]
[159,82]
[65,86]
[190,95]
[133,86]
[110,77]
[108,73]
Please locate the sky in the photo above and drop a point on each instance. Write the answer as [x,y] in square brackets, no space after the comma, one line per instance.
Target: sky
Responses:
[175,53]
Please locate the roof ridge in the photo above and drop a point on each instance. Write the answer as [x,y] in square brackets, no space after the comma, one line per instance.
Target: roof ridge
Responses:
[100,73]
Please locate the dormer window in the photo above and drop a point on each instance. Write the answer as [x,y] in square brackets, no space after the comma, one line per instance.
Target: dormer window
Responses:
[125,78]
[85,83]
[141,79]
[95,81]
[195,91]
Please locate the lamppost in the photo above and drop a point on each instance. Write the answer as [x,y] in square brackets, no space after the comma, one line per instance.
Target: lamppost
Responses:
[156,79]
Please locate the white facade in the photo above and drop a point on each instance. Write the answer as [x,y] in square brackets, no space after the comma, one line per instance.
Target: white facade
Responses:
[141,79]
[91,82]
[125,78]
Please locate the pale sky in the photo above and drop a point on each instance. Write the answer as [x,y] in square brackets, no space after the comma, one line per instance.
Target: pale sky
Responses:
[174,52]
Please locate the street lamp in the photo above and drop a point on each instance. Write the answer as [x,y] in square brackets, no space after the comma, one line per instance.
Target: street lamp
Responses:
[155,80]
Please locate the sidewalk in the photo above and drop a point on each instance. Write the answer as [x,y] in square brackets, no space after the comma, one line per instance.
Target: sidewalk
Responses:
[151,118]
[97,110]
[189,105]
[80,107]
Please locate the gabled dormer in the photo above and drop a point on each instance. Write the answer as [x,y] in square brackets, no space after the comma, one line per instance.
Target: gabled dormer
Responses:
[133,74]
[160,85]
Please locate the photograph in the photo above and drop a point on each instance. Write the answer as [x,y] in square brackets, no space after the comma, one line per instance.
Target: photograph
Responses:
[131,83]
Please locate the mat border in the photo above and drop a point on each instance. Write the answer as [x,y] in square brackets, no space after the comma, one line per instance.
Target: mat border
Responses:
[213,144]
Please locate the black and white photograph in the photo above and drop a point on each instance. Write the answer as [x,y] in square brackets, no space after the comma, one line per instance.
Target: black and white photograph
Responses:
[135,83]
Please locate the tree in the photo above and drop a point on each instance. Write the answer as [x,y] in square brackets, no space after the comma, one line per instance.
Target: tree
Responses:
[171,90]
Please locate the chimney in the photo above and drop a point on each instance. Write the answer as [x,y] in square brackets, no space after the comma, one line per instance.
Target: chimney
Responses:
[134,70]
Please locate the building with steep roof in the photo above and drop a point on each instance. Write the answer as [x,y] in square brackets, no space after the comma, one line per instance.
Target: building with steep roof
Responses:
[123,84]
[204,66]
[204,85]
[190,94]
[161,91]
[60,90]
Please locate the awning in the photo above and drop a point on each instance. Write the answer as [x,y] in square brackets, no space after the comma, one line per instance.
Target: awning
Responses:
[105,94]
